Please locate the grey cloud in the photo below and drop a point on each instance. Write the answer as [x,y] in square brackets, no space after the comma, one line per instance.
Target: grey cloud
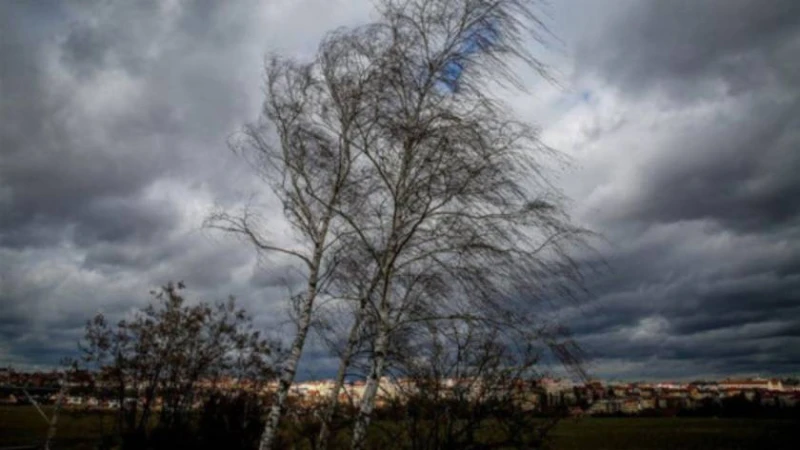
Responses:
[112,140]
[84,50]
[84,224]
[711,294]
[115,116]
[699,312]
[739,170]
[283,276]
[688,45]
[690,173]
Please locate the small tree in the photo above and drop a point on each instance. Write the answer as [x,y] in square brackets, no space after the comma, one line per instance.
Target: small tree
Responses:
[469,386]
[169,356]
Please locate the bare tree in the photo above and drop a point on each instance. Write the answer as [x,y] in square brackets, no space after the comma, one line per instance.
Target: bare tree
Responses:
[468,385]
[169,355]
[314,110]
[454,205]
[415,193]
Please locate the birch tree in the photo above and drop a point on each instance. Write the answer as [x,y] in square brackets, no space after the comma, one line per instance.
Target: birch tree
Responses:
[304,147]
[455,207]
[414,192]
[354,291]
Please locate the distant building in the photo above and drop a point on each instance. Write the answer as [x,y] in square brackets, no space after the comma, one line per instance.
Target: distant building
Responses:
[9,399]
[763,384]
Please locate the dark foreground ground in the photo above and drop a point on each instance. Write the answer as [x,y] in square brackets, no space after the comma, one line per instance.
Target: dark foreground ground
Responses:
[24,426]
[676,433]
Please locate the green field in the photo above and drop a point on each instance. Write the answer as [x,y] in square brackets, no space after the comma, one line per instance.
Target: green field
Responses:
[24,426]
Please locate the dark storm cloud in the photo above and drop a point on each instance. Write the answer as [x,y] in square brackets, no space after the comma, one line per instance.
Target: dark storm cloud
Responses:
[115,116]
[101,145]
[702,106]
[57,167]
[738,169]
[698,296]
[737,163]
[67,160]
[686,45]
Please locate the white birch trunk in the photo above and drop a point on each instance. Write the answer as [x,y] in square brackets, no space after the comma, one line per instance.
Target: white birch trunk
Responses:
[290,367]
[370,390]
[333,402]
[53,423]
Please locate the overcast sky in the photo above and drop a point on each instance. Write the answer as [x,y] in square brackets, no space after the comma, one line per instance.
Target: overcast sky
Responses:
[682,118]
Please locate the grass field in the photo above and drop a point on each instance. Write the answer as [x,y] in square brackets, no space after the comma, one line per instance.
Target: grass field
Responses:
[24,426]
[676,433]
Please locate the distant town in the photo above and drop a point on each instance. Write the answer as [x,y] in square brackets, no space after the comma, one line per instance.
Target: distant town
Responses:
[81,389]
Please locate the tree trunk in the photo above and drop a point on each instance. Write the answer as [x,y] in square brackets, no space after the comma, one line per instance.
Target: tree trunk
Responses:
[371,389]
[333,403]
[290,368]
[52,426]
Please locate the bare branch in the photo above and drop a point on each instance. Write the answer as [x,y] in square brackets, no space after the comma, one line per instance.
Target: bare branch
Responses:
[239,225]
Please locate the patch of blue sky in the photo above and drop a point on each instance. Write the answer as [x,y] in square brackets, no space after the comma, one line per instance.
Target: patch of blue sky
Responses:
[479,40]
